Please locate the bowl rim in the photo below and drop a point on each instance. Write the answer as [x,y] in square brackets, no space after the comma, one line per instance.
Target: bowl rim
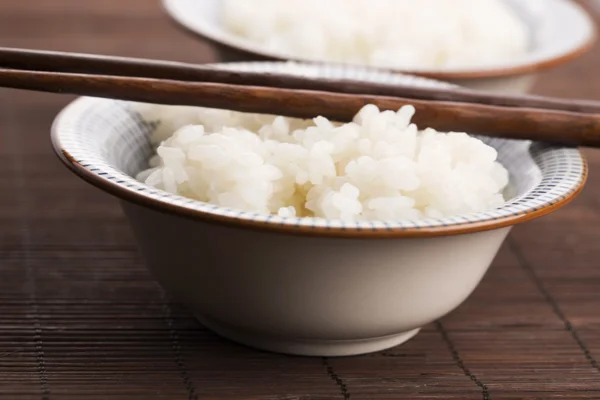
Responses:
[524,68]
[126,188]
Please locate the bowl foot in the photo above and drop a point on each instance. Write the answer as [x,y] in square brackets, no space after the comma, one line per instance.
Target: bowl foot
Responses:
[313,348]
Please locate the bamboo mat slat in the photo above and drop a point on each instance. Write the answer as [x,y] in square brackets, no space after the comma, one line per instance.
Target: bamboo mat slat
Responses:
[80,317]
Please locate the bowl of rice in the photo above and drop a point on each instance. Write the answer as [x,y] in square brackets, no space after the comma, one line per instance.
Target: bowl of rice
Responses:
[497,45]
[312,237]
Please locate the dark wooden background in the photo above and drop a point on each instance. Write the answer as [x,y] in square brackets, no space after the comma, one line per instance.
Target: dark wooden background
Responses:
[81,318]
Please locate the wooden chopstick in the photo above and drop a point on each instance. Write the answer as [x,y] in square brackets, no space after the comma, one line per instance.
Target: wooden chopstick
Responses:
[53,61]
[506,122]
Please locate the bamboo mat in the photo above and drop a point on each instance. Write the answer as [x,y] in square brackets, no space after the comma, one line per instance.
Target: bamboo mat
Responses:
[81,318]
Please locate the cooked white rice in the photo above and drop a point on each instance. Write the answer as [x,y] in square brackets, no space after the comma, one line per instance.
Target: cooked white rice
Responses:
[384,33]
[379,167]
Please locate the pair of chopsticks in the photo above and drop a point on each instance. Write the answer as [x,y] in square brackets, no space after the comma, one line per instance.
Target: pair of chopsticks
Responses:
[161,82]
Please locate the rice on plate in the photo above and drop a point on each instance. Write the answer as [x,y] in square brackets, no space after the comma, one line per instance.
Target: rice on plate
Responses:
[379,167]
[384,33]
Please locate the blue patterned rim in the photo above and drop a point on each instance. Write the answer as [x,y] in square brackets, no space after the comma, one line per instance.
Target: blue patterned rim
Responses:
[106,142]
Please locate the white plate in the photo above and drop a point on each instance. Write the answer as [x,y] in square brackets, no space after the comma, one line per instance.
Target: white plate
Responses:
[560,30]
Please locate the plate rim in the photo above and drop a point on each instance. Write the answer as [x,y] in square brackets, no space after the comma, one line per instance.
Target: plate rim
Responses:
[100,174]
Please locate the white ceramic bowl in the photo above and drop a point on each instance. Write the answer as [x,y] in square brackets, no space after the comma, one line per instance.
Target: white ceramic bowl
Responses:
[306,286]
[560,31]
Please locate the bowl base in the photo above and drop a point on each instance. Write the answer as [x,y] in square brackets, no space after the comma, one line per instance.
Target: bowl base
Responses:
[311,348]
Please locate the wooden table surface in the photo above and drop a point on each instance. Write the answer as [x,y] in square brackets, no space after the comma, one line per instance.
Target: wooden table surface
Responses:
[81,318]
